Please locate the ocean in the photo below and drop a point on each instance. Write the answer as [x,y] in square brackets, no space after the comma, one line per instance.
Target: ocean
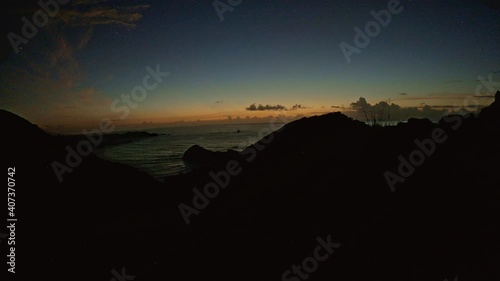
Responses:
[161,156]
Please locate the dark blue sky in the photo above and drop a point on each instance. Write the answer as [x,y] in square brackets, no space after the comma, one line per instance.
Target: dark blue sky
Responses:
[263,52]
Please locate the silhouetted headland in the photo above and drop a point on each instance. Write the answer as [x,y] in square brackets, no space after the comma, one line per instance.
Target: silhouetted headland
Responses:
[435,218]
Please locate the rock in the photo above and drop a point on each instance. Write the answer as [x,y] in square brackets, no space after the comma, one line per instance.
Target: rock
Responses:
[196,157]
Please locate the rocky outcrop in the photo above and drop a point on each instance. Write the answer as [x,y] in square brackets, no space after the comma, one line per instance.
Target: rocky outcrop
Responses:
[318,176]
[196,157]
[490,116]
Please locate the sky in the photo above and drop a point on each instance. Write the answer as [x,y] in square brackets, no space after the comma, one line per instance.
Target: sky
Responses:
[214,60]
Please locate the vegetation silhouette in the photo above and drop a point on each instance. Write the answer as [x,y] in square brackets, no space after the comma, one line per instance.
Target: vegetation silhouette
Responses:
[318,176]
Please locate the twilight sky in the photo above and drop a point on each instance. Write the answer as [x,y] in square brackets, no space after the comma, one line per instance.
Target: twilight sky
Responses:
[284,54]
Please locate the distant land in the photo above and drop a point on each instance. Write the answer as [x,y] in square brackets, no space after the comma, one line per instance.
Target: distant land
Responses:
[387,110]
[414,201]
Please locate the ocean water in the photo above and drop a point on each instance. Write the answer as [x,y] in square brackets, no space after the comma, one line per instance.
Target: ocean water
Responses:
[161,156]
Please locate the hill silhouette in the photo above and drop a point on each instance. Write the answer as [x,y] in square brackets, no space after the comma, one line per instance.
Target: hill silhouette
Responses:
[317,176]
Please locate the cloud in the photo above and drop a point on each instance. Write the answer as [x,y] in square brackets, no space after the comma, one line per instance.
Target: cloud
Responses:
[403,94]
[437,97]
[484,96]
[278,107]
[87,2]
[338,107]
[390,112]
[298,106]
[453,81]
[47,76]
[261,107]
[84,39]
[219,101]
[126,16]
